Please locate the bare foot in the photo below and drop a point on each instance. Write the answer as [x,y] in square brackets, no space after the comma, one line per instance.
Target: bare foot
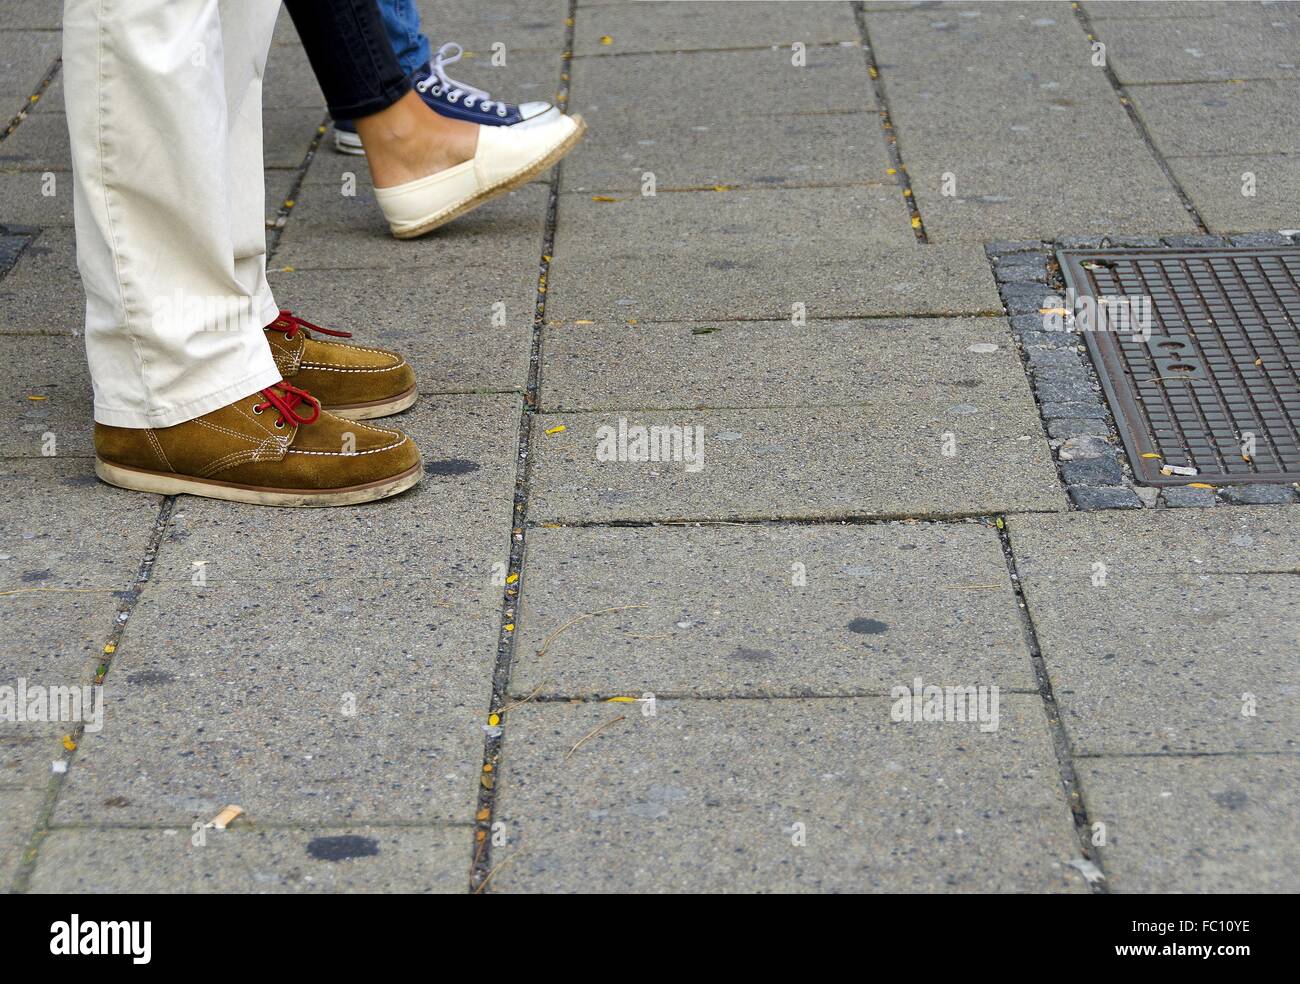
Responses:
[408,140]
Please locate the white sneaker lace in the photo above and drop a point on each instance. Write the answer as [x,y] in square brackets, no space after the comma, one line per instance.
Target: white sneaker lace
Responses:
[449,54]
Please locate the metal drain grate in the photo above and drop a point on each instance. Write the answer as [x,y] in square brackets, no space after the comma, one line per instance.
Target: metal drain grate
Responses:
[1208,389]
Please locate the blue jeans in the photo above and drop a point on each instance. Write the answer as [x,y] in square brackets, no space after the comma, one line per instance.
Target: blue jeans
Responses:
[402,22]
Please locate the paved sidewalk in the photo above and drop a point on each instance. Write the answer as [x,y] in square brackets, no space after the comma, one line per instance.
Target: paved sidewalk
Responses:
[872,497]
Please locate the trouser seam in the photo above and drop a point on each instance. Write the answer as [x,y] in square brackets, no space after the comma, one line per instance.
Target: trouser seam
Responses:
[101,116]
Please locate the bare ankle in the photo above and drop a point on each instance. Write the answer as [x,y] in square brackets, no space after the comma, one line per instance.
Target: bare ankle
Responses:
[408,140]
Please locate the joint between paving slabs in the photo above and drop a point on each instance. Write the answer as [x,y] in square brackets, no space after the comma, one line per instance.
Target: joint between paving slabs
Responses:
[276,227]
[130,597]
[481,869]
[1139,124]
[33,99]
[1051,712]
[887,127]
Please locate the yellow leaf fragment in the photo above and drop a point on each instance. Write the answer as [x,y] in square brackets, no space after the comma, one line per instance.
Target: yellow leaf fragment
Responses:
[69,744]
[494,719]
[512,579]
[603,198]
[557,429]
[606,39]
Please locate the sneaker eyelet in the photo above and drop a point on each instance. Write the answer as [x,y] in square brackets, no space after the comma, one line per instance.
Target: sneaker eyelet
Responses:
[279,425]
[257,409]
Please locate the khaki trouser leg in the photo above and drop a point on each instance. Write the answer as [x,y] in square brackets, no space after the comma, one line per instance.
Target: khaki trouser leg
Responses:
[164,103]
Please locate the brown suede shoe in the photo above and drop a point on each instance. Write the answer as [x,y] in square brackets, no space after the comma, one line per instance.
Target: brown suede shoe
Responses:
[274,448]
[350,381]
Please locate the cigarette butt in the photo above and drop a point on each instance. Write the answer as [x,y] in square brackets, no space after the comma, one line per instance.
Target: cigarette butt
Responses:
[224,818]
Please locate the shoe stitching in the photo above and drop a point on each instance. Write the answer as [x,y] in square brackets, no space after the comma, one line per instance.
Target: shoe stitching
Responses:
[253,454]
[351,454]
[153,439]
[354,348]
[231,459]
[227,431]
[332,367]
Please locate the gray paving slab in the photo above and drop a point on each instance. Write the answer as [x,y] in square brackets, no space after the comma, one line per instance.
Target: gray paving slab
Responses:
[1035,41]
[19,812]
[32,198]
[43,293]
[27,754]
[770,151]
[63,528]
[331,230]
[278,184]
[849,222]
[805,611]
[997,197]
[1215,184]
[288,698]
[1258,540]
[659,283]
[710,796]
[1203,824]
[1182,10]
[1204,49]
[441,321]
[53,638]
[1222,118]
[745,254]
[44,14]
[606,91]
[40,143]
[289,81]
[983,139]
[893,363]
[693,26]
[250,860]
[47,396]
[287,133]
[451,527]
[1151,646]
[284,32]
[514,23]
[25,57]
[797,463]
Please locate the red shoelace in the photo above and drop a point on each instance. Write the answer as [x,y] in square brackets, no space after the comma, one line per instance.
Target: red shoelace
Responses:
[286,398]
[290,325]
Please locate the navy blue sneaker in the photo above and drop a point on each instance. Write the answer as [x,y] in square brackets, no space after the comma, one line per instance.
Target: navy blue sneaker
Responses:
[457,100]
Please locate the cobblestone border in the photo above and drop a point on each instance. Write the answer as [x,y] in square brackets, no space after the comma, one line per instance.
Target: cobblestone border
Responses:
[1080,428]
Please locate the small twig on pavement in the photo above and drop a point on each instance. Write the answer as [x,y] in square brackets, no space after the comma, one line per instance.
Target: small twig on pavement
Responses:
[592,734]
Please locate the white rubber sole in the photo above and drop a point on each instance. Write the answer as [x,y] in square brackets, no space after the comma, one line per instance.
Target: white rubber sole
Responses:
[522,176]
[348,143]
[380,408]
[163,483]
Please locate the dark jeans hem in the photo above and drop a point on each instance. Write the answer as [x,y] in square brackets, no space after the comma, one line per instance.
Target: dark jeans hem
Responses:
[369,107]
